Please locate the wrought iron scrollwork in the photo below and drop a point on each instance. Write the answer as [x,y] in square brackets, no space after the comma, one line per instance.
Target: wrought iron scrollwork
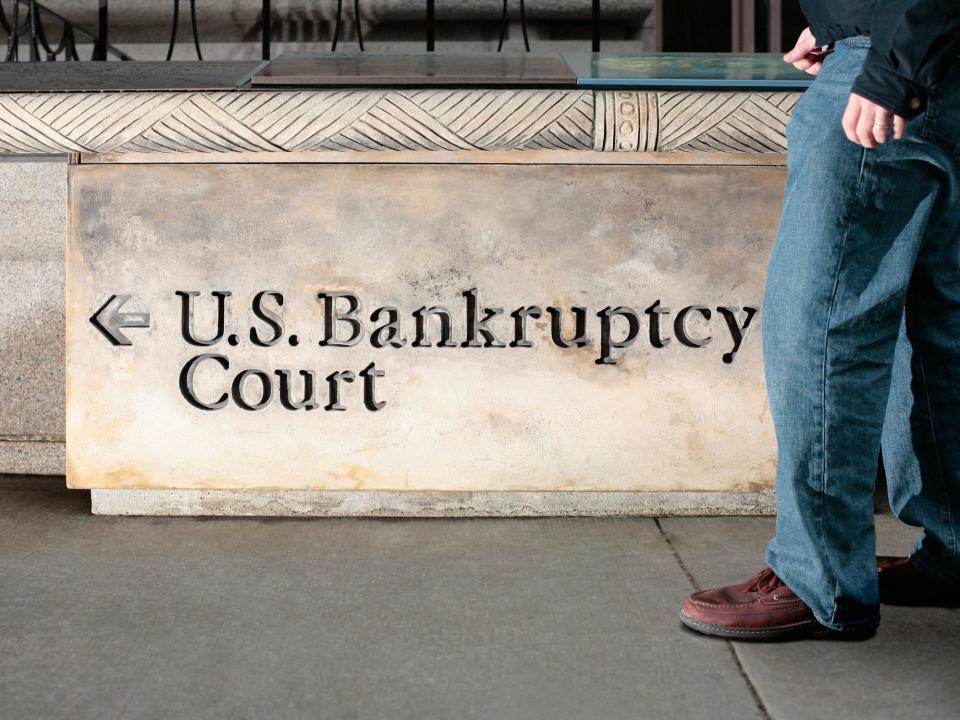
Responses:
[339,22]
[595,25]
[33,30]
[193,28]
[431,25]
[523,26]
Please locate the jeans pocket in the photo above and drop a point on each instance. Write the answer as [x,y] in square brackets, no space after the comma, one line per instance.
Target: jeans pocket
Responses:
[941,121]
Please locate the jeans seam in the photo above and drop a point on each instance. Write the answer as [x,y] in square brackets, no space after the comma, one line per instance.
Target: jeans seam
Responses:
[823,369]
[941,486]
[929,113]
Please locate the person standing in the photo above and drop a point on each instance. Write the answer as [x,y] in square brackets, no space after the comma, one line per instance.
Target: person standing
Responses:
[861,325]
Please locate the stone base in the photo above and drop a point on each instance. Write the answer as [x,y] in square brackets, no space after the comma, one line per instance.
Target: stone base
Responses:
[353,503]
[31,456]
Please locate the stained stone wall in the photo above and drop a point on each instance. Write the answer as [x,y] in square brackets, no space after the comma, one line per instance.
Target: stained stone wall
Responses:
[31,289]
[681,407]
[669,196]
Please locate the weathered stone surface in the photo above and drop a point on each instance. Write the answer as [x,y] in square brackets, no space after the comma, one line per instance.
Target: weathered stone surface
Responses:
[458,418]
[681,121]
[32,229]
[33,455]
[373,503]
[392,120]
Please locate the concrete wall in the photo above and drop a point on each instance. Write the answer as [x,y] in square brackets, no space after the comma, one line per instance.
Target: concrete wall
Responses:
[33,194]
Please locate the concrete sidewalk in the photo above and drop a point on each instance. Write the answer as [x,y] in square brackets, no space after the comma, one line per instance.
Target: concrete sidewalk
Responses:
[111,617]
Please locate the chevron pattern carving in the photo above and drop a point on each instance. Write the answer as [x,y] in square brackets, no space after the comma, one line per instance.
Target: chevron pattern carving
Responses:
[364,120]
[725,122]
[288,121]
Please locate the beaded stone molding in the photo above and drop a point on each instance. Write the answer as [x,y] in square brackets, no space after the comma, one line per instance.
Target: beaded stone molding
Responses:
[381,120]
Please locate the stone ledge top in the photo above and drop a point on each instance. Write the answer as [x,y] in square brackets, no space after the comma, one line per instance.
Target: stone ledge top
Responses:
[426,120]
[210,107]
[293,71]
[652,103]
[44,77]
[364,120]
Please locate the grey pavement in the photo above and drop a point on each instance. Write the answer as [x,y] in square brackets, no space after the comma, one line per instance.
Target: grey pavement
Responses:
[120,617]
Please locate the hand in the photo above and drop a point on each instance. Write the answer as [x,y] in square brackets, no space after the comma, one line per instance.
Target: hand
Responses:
[806,54]
[866,123]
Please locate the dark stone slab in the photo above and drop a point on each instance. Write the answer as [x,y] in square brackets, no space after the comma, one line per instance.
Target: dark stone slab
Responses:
[119,76]
[364,69]
[907,669]
[691,71]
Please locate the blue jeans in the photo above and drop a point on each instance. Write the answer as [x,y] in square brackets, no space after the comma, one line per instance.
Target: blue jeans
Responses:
[861,326]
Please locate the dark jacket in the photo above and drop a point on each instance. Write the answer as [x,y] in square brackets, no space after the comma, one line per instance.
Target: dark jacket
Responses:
[914,42]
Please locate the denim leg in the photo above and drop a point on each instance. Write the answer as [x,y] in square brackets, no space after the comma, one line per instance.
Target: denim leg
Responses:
[852,225]
[921,435]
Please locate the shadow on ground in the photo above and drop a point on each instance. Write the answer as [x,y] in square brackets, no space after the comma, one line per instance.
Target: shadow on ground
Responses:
[341,618]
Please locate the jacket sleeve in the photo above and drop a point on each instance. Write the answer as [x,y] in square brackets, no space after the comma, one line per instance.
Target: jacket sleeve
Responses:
[914,42]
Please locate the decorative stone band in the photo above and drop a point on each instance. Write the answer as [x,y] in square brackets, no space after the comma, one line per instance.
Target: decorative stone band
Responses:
[365,120]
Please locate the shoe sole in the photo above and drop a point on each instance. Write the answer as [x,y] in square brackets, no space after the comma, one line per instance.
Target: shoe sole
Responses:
[777,633]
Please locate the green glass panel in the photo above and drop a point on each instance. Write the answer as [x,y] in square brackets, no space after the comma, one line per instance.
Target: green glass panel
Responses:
[686,70]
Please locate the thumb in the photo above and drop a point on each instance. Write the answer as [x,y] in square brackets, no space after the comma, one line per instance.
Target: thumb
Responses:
[804,45]
[800,51]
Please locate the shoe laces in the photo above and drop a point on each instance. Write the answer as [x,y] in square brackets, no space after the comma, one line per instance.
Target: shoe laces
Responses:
[765,581]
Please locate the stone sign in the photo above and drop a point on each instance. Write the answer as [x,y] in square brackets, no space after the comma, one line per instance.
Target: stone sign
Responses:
[418,327]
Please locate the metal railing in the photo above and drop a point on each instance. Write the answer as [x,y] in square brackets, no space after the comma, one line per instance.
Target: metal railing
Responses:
[32,30]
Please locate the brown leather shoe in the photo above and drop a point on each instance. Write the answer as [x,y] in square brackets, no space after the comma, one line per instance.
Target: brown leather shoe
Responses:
[903,583]
[763,608]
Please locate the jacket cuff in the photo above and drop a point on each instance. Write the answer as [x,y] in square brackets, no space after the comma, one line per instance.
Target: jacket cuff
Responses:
[880,83]
[829,34]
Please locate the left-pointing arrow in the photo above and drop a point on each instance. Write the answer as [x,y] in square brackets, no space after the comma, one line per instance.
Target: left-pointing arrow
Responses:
[108,320]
